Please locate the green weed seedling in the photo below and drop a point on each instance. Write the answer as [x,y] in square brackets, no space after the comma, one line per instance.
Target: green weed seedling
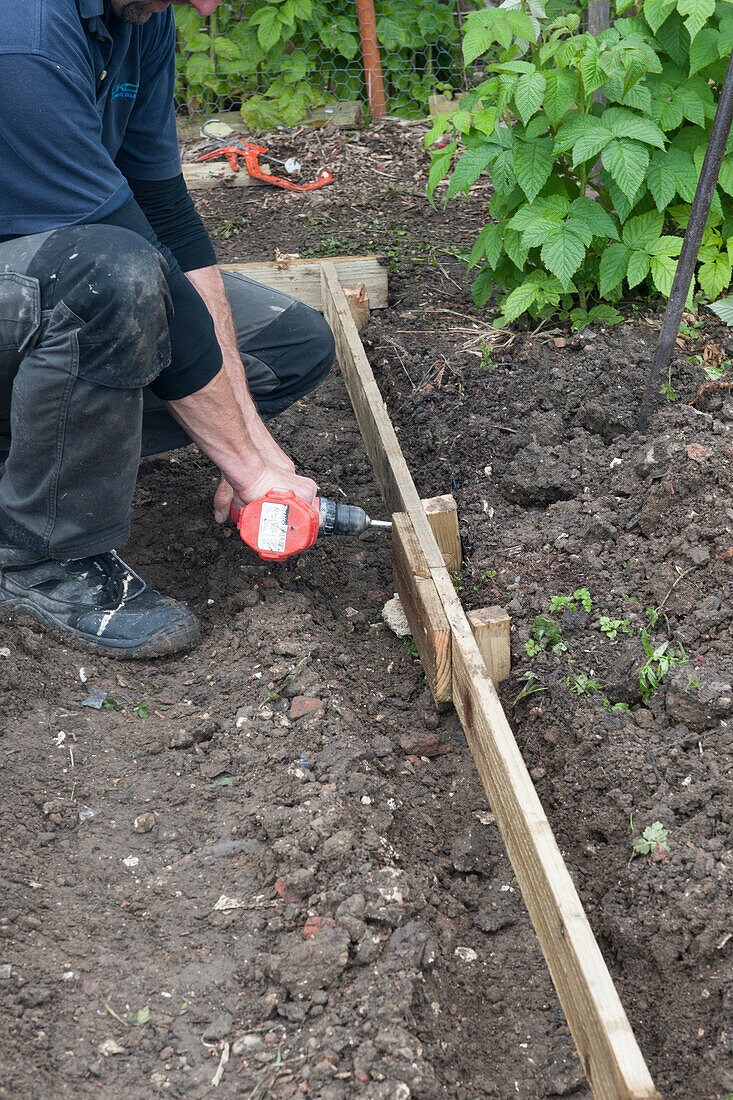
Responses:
[693,684]
[652,614]
[613,627]
[654,836]
[530,687]
[141,709]
[570,603]
[546,634]
[658,663]
[582,684]
[608,705]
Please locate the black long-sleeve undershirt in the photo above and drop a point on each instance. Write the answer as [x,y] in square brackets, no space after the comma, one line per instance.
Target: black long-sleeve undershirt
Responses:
[170,210]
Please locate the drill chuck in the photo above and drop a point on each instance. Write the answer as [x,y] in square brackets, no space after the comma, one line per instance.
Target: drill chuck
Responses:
[345,519]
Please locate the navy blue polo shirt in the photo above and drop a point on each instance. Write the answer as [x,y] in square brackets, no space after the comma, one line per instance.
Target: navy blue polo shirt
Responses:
[85,100]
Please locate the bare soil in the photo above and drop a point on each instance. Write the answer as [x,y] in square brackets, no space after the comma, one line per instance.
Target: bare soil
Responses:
[321,890]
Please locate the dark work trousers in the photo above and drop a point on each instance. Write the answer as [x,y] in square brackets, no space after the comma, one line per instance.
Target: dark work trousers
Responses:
[84,329]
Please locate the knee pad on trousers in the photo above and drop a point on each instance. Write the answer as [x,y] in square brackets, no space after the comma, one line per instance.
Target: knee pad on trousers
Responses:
[111,286]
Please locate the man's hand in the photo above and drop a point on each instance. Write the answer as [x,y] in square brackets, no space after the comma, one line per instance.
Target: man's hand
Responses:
[270,478]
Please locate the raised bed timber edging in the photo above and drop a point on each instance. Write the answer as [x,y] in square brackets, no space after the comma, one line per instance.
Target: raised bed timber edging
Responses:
[613,1063]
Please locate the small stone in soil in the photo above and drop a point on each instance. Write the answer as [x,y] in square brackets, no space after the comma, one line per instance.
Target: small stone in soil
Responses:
[144,823]
[423,744]
[303,706]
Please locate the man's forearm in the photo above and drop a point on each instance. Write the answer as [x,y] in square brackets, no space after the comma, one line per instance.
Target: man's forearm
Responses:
[210,285]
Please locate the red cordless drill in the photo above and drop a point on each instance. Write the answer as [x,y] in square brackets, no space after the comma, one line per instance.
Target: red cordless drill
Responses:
[278,525]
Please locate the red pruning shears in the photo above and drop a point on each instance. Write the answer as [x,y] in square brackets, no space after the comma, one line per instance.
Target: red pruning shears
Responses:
[251,154]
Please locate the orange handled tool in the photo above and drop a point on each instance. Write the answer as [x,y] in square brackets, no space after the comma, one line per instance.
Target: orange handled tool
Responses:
[280,524]
[251,154]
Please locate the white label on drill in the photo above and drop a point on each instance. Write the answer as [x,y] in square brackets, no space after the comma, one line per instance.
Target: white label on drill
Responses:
[273,532]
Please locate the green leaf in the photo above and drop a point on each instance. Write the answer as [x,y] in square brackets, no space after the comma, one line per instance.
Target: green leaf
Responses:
[675,39]
[519,301]
[714,276]
[695,14]
[547,206]
[269,28]
[605,313]
[563,253]
[528,93]
[225,48]
[441,123]
[440,166]
[614,264]
[489,243]
[589,146]
[515,247]
[469,168]
[484,28]
[704,50]
[533,165]
[626,162]
[724,310]
[592,71]
[561,91]
[196,43]
[643,230]
[482,287]
[576,127]
[625,124]
[672,173]
[143,1015]
[639,264]
[502,171]
[598,220]
[538,232]
[656,11]
[666,246]
[663,272]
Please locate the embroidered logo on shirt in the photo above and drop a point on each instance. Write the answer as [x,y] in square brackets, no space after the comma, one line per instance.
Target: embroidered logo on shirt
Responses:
[125,91]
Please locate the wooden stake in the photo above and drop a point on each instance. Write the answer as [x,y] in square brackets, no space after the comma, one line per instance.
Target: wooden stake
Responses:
[442,513]
[490,626]
[422,606]
[358,300]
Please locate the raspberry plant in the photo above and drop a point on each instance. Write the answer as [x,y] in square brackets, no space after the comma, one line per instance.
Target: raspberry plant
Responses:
[594,147]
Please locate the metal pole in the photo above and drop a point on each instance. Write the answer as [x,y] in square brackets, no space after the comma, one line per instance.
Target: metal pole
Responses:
[691,246]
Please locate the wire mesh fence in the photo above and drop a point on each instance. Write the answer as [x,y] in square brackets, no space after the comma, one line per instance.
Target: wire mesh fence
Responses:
[275,60]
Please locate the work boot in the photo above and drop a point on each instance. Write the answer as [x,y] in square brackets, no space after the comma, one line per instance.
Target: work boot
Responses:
[98,600]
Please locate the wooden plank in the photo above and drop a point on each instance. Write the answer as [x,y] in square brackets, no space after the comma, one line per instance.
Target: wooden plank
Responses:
[380,440]
[608,1050]
[302,278]
[214,173]
[422,606]
[490,628]
[611,1058]
[442,513]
